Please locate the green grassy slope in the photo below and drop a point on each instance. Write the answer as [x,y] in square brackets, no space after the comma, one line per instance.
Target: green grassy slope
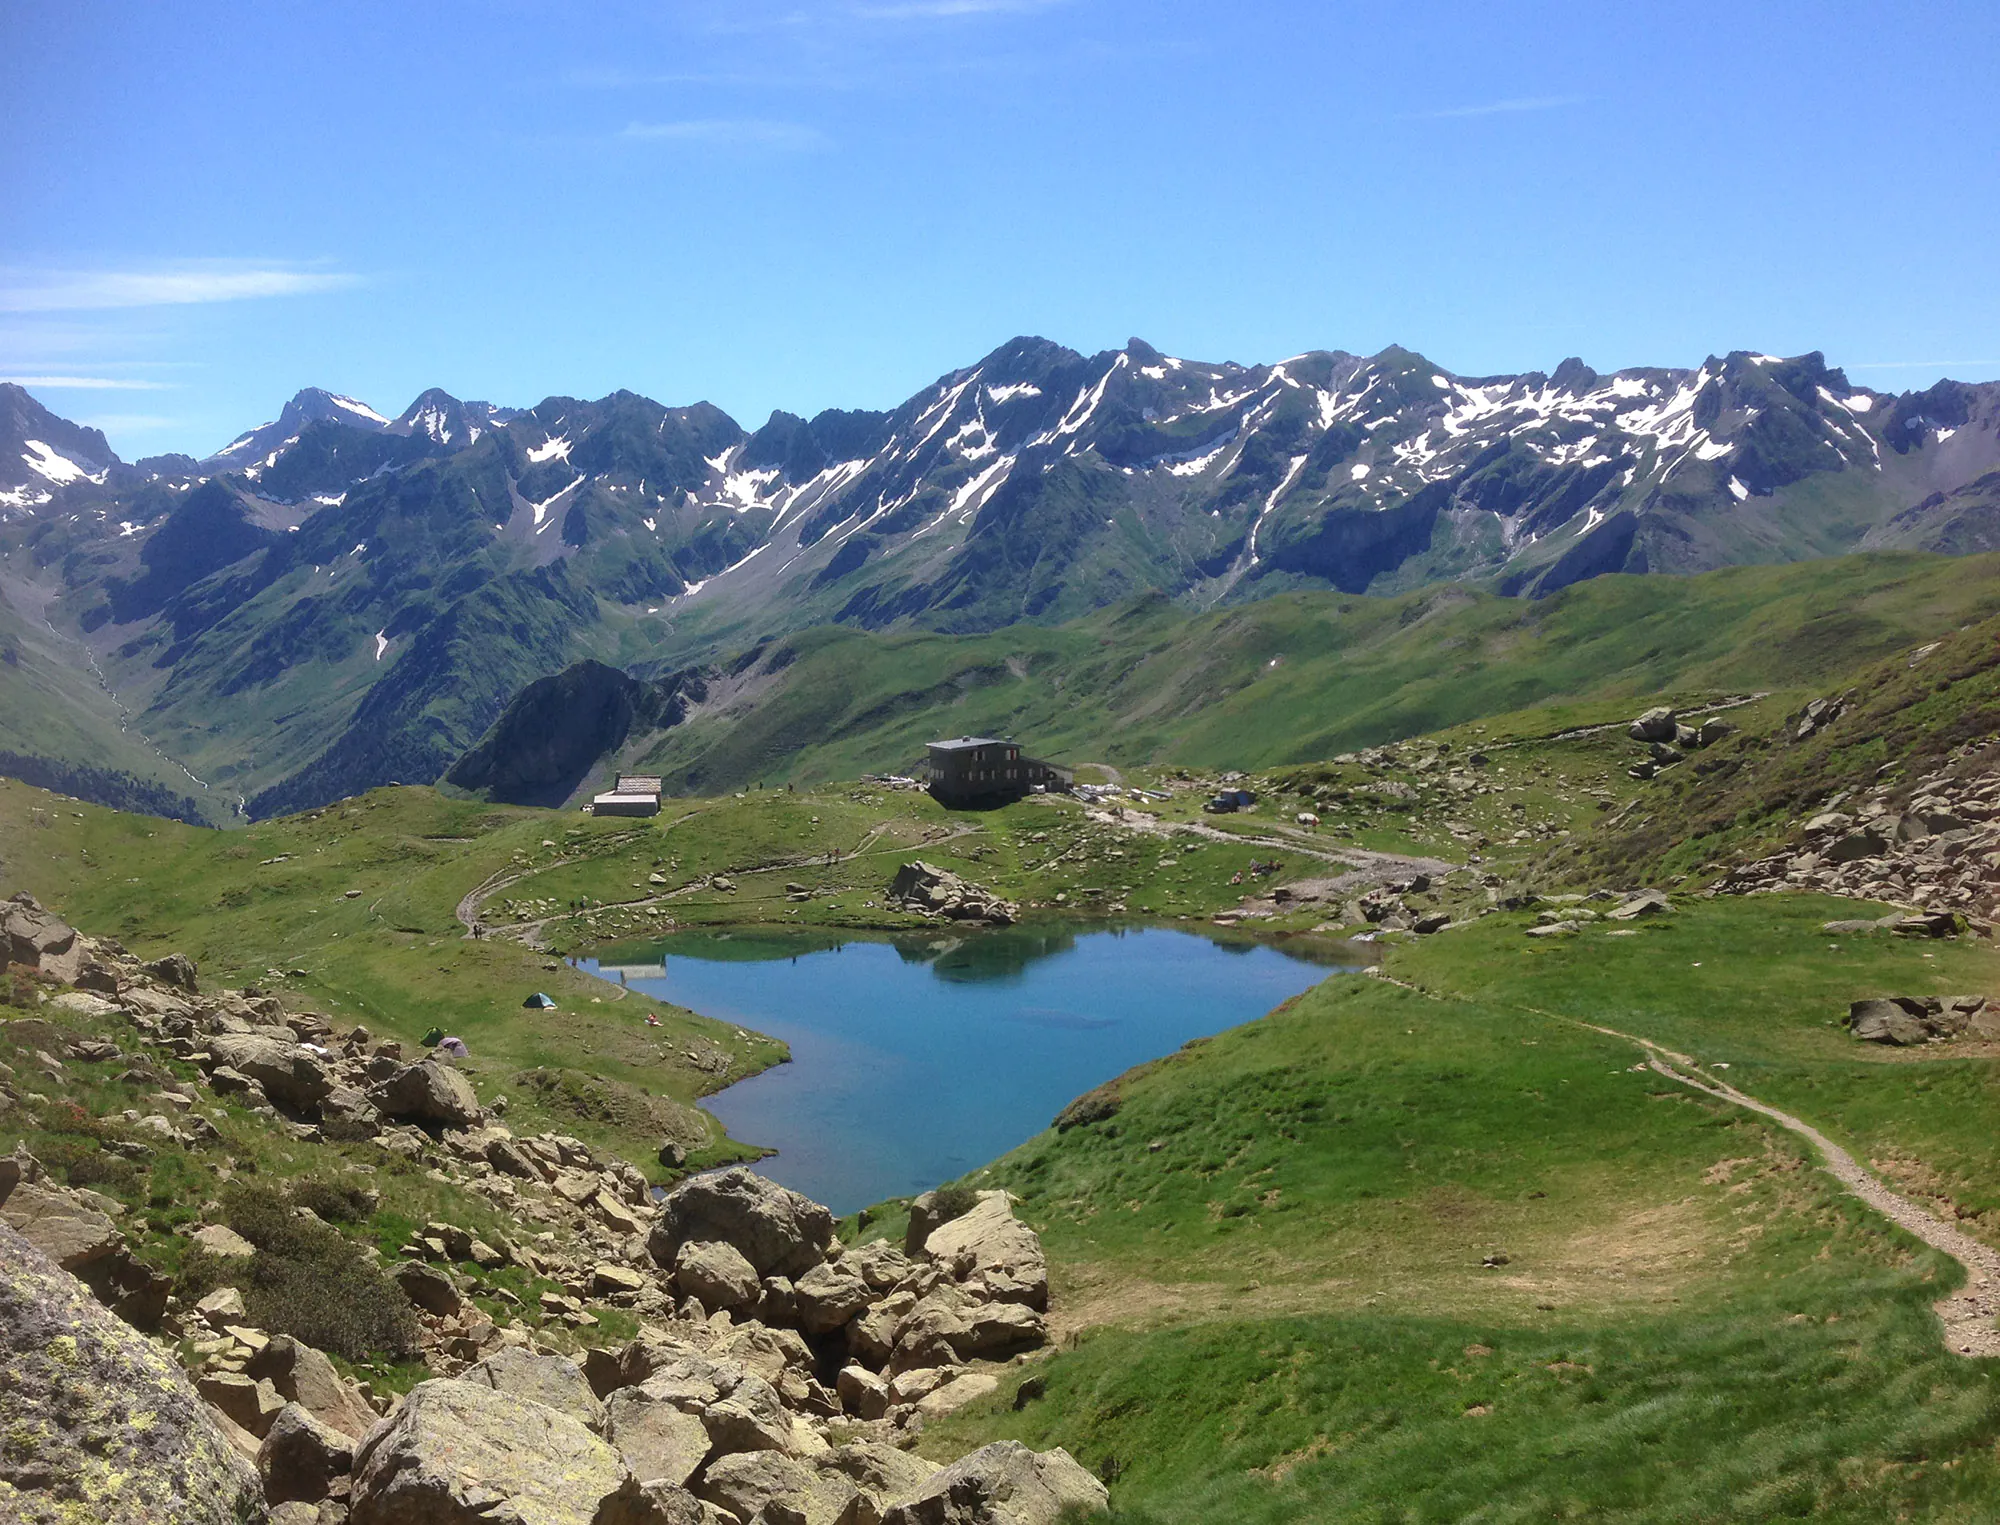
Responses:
[60,728]
[1307,675]
[1904,715]
[1276,1249]
[350,911]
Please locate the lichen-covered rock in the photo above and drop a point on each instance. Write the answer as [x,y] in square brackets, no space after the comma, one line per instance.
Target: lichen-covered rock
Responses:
[778,1231]
[96,1423]
[461,1453]
[660,1439]
[554,1381]
[1004,1484]
[750,1485]
[428,1092]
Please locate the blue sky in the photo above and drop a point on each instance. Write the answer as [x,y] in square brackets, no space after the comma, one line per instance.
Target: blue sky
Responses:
[816,203]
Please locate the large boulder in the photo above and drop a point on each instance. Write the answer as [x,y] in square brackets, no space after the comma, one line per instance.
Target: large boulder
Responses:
[40,940]
[462,1453]
[778,1231]
[662,1440]
[302,1375]
[428,1092]
[553,1381]
[60,1224]
[716,1273]
[1657,724]
[828,1295]
[288,1071]
[300,1457]
[1892,1021]
[1004,1484]
[99,1424]
[993,1253]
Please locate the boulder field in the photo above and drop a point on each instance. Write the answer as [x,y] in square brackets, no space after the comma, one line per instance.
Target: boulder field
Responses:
[779,1376]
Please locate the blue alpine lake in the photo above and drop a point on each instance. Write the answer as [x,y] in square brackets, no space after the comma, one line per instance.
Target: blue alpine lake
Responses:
[916,1058]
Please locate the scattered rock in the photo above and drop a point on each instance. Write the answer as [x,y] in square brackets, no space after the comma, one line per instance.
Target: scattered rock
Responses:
[218,1239]
[1005,1484]
[427,1287]
[300,1457]
[463,1452]
[303,1375]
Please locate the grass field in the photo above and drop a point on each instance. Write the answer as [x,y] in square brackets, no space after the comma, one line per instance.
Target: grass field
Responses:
[1389,1256]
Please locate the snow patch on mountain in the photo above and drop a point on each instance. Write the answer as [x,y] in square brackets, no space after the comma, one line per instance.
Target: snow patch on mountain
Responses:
[52,464]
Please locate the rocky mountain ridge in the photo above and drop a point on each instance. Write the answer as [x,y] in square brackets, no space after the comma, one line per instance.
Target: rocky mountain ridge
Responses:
[386,586]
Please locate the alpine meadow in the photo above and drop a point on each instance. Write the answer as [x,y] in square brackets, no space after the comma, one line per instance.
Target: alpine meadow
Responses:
[1340,936]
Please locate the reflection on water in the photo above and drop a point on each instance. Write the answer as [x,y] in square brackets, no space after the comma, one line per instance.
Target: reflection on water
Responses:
[919,1056]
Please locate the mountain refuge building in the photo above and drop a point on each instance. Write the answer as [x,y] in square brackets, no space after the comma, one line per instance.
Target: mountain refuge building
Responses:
[633,794]
[984,770]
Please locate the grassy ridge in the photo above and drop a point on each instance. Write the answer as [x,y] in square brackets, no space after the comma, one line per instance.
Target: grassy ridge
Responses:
[1307,675]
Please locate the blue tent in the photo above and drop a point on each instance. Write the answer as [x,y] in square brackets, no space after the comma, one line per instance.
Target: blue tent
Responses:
[539,1002]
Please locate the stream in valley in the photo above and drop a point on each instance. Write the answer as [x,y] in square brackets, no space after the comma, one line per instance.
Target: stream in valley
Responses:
[917,1057]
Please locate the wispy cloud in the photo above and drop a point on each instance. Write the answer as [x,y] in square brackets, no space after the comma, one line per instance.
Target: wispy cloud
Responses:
[167,286]
[730,132]
[86,383]
[130,423]
[1497,108]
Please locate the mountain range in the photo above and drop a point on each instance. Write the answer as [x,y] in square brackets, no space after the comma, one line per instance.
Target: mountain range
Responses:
[339,599]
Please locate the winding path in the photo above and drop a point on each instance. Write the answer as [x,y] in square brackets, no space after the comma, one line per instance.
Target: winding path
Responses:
[1968,1315]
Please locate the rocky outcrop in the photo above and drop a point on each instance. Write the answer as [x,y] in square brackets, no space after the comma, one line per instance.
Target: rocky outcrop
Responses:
[101,1425]
[778,1231]
[1931,845]
[429,1092]
[39,940]
[290,1073]
[932,891]
[1908,1020]
[464,1452]
[992,1253]
[1005,1484]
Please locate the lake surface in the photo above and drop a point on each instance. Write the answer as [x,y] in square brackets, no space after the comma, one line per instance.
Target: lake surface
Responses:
[915,1059]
